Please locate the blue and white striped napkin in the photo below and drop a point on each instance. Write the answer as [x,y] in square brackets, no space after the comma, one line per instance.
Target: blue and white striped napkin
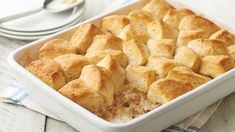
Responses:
[16,95]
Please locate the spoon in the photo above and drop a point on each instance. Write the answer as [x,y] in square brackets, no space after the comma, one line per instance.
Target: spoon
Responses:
[54,6]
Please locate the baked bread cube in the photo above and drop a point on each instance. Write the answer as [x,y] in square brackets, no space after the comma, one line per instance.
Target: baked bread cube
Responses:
[114,24]
[231,50]
[216,65]
[99,79]
[117,72]
[173,17]
[224,36]
[139,19]
[49,71]
[188,58]
[194,22]
[160,30]
[117,55]
[56,47]
[185,36]
[158,8]
[165,90]
[136,52]
[83,37]
[140,77]
[162,47]
[103,42]
[83,95]
[205,47]
[187,75]
[161,65]
[130,32]
[72,65]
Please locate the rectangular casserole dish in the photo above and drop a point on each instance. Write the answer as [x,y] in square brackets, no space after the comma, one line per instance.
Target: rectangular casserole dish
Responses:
[83,120]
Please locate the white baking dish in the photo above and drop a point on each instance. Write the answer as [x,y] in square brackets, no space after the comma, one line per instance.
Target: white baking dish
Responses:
[84,121]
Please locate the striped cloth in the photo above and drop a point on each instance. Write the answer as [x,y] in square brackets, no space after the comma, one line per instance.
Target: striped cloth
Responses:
[17,96]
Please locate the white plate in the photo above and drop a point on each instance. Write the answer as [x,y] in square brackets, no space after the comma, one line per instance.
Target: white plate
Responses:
[43,21]
[34,37]
[46,32]
[21,37]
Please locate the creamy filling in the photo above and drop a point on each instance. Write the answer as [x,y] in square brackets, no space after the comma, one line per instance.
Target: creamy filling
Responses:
[127,106]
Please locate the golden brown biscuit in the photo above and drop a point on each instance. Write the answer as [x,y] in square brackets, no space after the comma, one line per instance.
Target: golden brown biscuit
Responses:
[140,77]
[49,71]
[114,23]
[158,8]
[188,58]
[99,79]
[130,32]
[160,30]
[187,75]
[56,47]
[83,37]
[173,17]
[161,65]
[136,52]
[194,22]
[162,47]
[205,47]
[139,19]
[137,29]
[231,50]
[72,65]
[185,36]
[83,95]
[216,65]
[117,72]
[165,90]
[119,56]
[103,42]
[224,36]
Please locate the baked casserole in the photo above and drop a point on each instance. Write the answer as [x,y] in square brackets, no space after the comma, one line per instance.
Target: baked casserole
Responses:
[131,64]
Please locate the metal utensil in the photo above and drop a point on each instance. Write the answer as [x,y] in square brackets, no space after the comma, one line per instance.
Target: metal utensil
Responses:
[54,6]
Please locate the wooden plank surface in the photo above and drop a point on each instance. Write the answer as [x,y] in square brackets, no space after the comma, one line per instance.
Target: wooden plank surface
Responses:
[15,118]
[18,119]
[7,46]
[223,120]
[57,126]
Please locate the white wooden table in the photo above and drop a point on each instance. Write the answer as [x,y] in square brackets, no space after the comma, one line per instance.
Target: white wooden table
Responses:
[20,119]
